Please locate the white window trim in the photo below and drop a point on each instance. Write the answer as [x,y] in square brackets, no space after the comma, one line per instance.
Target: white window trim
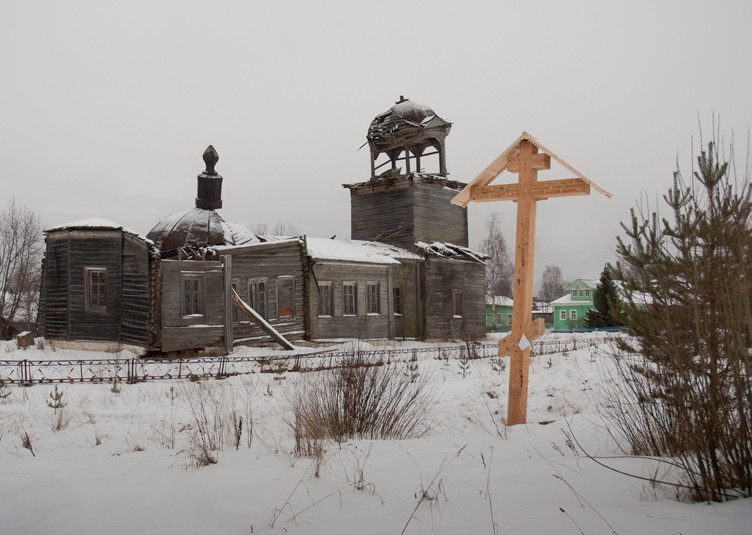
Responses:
[573,315]
[563,314]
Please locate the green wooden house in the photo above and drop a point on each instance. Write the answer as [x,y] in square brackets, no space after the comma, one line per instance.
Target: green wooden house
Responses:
[498,313]
[570,309]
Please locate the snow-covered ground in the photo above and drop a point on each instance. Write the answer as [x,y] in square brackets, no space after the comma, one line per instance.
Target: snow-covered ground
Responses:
[121,462]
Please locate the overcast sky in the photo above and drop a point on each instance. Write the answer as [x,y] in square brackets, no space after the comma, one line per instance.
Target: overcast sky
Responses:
[107,107]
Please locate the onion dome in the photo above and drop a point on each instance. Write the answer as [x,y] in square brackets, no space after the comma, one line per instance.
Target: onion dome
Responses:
[200,226]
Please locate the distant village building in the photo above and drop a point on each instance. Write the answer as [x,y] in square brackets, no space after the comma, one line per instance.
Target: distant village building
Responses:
[197,282]
[571,308]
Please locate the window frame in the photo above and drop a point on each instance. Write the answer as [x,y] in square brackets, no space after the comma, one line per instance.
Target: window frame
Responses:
[563,314]
[254,293]
[89,286]
[195,306]
[280,280]
[350,300]
[397,301]
[573,315]
[373,298]
[457,303]
[325,299]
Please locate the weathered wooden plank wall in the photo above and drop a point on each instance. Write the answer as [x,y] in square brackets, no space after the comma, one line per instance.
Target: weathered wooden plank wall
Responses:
[405,276]
[136,298]
[197,330]
[270,262]
[406,210]
[383,211]
[435,218]
[55,289]
[362,325]
[97,249]
[441,276]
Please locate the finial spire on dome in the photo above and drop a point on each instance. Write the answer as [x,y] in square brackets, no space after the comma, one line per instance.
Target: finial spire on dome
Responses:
[211,157]
[209,182]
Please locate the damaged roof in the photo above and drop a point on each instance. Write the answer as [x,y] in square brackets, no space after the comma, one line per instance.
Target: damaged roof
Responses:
[449,250]
[406,122]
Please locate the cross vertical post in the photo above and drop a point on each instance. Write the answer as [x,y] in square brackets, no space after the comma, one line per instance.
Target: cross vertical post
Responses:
[523,287]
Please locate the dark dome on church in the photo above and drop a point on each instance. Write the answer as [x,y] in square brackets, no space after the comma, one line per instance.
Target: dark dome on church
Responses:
[201,226]
[192,226]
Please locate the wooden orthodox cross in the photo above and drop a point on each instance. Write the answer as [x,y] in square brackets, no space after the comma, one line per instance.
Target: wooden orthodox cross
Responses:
[522,157]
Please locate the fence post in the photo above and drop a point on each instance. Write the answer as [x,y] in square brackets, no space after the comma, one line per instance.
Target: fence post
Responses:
[25,379]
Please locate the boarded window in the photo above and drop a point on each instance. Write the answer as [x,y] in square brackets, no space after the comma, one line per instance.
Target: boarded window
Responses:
[457,303]
[96,288]
[193,289]
[326,302]
[397,299]
[349,299]
[373,301]
[286,297]
[257,296]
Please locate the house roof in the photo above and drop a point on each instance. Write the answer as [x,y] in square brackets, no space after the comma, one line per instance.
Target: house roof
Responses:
[357,251]
[449,250]
[497,166]
[589,283]
[96,223]
[406,122]
[500,300]
[567,300]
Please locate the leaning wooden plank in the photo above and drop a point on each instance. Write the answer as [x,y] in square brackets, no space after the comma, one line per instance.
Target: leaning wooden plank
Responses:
[254,316]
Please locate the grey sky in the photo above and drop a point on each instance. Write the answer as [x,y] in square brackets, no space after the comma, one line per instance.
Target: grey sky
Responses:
[108,106]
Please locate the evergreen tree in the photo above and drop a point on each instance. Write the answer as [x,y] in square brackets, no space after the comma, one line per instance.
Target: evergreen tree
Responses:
[607,302]
[687,283]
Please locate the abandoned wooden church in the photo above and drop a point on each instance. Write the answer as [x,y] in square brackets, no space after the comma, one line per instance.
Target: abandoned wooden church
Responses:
[196,281]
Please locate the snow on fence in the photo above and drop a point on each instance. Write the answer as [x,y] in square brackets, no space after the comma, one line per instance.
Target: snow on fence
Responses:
[30,372]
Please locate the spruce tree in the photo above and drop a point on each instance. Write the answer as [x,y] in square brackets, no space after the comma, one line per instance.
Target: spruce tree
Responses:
[607,303]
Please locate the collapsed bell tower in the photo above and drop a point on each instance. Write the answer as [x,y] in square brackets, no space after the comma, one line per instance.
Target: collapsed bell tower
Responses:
[405,207]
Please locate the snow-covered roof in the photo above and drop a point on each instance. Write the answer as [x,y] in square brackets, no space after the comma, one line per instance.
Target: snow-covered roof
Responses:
[259,241]
[450,250]
[236,234]
[567,300]
[500,301]
[92,223]
[357,251]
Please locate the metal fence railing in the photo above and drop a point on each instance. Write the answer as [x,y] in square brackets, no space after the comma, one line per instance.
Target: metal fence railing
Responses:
[30,372]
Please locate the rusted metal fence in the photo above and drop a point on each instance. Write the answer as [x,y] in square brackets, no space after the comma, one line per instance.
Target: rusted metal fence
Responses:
[30,372]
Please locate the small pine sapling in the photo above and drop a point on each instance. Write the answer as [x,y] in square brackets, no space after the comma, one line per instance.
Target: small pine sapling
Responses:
[56,400]
[464,364]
